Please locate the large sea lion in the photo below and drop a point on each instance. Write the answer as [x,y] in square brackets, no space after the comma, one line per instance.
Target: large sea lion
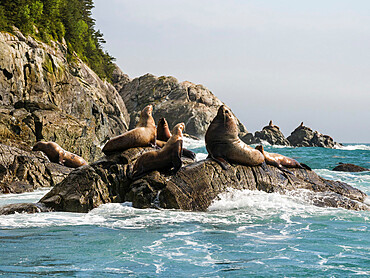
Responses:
[223,143]
[167,157]
[164,133]
[56,154]
[144,134]
[280,160]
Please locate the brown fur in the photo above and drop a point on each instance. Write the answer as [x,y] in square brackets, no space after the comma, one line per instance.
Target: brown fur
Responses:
[143,135]
[163,131]
[56,154]
[167,157]
[223,143]
[278,160]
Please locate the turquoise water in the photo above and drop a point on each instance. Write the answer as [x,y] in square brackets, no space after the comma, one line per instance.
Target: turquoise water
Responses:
[245,233]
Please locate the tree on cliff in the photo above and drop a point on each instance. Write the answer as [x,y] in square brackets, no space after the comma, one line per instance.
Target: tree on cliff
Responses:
[58,19]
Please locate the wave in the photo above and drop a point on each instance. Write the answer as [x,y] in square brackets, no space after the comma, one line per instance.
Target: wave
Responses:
[267,144]
[353,147]
[193,143]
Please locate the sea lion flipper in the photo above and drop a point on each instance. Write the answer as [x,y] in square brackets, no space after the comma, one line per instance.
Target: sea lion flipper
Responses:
[264,167]
[305,166]
[176,156]
[286,170]
[188,153]
[223,163]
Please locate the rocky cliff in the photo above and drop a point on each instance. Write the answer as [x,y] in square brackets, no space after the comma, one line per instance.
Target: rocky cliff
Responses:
[177,101]
[43,96]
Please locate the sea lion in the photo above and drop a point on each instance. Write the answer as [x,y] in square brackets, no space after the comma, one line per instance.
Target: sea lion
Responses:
[223,143]
[280,160]
[56,154]
[164,133]
[167,157]
[144,134]
[272,125]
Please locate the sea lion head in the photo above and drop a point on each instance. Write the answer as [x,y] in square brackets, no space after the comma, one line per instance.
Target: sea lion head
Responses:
[38,146]
[260,148]
[226,116]
[147,110]
[178,129]
[162,122]
[146,118]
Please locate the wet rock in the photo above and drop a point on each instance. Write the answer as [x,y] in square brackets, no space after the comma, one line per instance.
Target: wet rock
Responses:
[304,136]
[194,187]
[348,167]
[177,101]
[23,208]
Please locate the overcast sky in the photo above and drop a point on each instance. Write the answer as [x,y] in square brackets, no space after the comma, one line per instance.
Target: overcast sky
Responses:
[286,61]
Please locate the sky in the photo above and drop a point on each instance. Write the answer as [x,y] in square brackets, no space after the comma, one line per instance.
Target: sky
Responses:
[286,61]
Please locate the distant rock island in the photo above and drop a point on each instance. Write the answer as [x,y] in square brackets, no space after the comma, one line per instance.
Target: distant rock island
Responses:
[302,136]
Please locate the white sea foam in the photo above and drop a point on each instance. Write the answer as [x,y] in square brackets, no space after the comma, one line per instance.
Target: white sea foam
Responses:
[360,180]
[267,144]
[353,147]
[192,143]
[27,197]
[260,202]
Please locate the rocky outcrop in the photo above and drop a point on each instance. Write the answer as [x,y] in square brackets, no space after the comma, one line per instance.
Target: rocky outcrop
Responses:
[23,208]
[45,96]
[270,134]
[194,187]
[348,167]
[304,136]
[178,102]
[22,171]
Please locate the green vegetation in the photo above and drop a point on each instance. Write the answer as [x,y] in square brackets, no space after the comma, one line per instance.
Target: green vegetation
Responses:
[58,19]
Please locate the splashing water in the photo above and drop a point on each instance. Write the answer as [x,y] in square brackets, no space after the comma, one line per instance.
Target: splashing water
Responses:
[244,233]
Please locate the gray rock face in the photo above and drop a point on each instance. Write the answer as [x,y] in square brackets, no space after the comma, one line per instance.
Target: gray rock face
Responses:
[194,187]
[304,136]
[22,171]
[178,102]
[348,167]
[43,96]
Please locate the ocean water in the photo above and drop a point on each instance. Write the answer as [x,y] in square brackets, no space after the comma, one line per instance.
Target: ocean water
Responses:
[244,233]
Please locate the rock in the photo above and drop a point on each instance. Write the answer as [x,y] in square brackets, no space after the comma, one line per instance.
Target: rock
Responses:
[194,187]
[23,208]
[348,167]
[304,136]
[22,171]
[271,134]
[45,97]
[106,181]
[178,102]
[249,139]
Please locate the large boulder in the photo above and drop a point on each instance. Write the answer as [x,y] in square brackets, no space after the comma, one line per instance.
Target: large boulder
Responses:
[304,136]
[348,167]
[177,101]
[45,96]
[194,187]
